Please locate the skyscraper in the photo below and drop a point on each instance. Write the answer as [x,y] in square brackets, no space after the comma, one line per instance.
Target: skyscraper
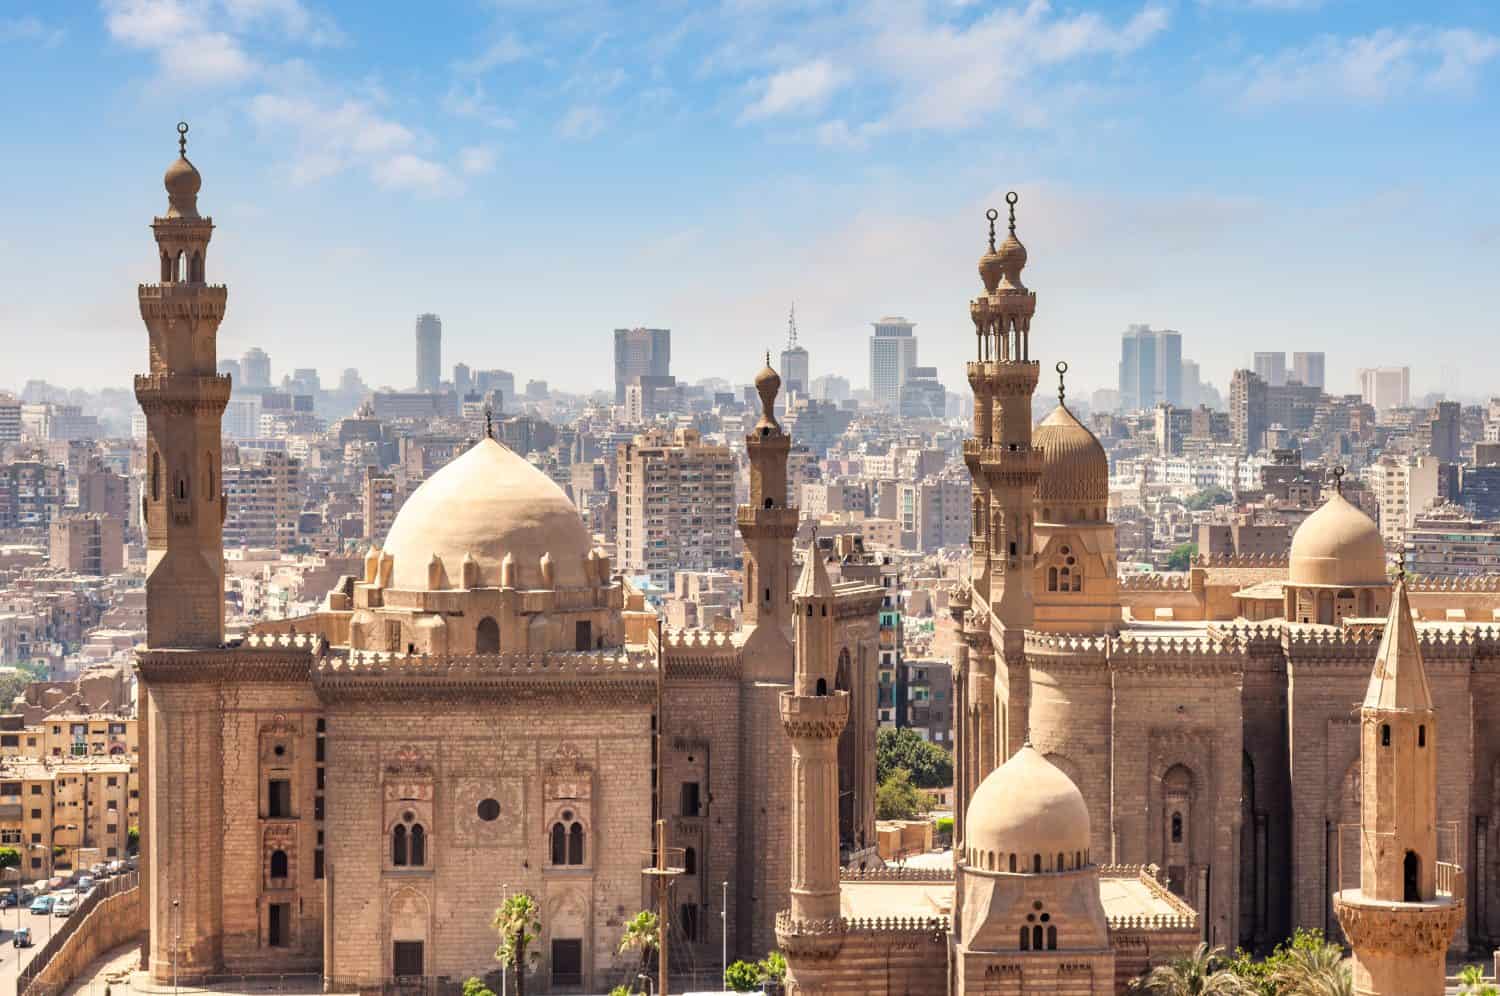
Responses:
[1271,368]
[893,353]
[1150,367]
[429,352]
[641,353]
[794,358]
[1308,368]
[1384,388]
[256,366]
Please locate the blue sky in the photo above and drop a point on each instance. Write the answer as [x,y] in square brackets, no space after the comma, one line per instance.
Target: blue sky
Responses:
[1260,174]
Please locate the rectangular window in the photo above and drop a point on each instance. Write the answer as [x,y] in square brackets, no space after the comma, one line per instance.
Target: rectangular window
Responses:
[36,814]
[112,828]
[318,863]
[112,852]
[36,862]
[583,635]
[279,799]
[318,808]
[322,777]
[111,781]
[406,959]
[690,800]
[321,751]
[567,963]
[688,917]
[10,740]
[277,924]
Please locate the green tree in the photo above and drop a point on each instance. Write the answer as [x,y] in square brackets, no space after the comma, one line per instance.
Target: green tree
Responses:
[772,966]
[929,764]
[641,935]
[1208,497]
[1471,982]
[1304,965]
[1205,972]
[133,840]
[10,857]
[742,977]
[1182,557]
[519,921]
[476,987]
[897,798]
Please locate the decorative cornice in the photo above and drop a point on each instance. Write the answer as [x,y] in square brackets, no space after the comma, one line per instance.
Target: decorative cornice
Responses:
[814,717]
[227,665]
[1397,928]
[601,676]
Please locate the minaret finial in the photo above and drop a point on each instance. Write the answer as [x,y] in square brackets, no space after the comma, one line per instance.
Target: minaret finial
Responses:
[768,357]
[1011,199]
[182,130]
[1062,391]
[992,215]
[489,423]
[1338,478]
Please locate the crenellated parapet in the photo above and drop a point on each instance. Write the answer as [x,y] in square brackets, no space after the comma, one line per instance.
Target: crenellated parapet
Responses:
[609,675]
[1176,655]
[1155,582]
[1475,583]
[1252,560]
[700,655]
[896,873]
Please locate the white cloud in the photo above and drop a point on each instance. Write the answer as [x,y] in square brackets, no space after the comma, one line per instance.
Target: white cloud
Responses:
[411,172]
[468,100]
[477,160]
[30,29]
[206,58]
[799,89]
[1368,68]
[581,122]
[504,50]
[206,41]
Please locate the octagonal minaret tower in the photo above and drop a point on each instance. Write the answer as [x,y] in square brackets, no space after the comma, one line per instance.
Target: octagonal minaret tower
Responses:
[768,523]
[183,397]
[1403,916]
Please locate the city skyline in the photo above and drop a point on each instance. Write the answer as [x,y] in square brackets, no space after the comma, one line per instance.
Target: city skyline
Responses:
[855,174]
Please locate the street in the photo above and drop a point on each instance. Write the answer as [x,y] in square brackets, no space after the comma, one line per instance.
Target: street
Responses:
[39,924]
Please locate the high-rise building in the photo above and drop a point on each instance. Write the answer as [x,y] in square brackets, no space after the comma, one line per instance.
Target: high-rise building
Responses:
[639,352]
[255,365]
[1446,440]
[1192,385]
[794,359]
[1384,388]
[893,354]
[10,419]
[1248,410]
[1308,368]
[88,544]
[922,395]
[1150,368]
[264,500]
[1271,368]
[429,352]
[382,500]
[1404,486]
[461,379]
[676,505]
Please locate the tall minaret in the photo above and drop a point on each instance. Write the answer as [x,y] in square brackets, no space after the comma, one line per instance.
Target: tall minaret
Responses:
[1403,915]
[1005,469]
[767,523]
[814,714]
[183,397]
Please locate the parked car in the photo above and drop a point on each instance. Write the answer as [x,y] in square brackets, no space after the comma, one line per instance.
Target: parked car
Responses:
[22,937]
[42,904]
[56,882]
[117,867]
[65,905]
[85,884]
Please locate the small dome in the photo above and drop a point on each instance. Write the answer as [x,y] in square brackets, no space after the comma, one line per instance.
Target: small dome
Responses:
[183,183]
[1012,258]
[1074,465]
[1338,546]
[1027,806]
[767,384]
[485,505]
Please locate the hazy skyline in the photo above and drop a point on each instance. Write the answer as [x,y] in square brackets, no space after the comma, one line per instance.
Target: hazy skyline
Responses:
[1261,174]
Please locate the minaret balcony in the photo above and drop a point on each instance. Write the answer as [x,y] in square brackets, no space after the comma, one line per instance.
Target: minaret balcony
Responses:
[182,391]
[182,300]
[814,717]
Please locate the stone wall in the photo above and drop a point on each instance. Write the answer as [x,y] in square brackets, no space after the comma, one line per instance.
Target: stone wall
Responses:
[116,920]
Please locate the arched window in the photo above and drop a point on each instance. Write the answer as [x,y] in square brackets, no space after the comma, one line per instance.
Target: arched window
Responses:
[1036,864]
[1051,938]
[195,270]
[166,268]
[1052,579]
[1422,735]
[418,843]
[822,686]
[278,864]
[1385,734]
[1411,868]
[1013,863]
[1177,828]
[1060,862]
[487,636]
[690,861]
[1025,938]
[155,477]
[770,503]
[1036,937]
[559,844]
[182,489]
[575,844]
[1077,580]
[398,846]
[567,840]
[208,477]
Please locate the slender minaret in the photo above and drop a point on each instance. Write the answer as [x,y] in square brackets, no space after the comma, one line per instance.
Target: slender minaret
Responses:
[767,523]
[1005,469]
[1403,915]
[814,714]
[183,397]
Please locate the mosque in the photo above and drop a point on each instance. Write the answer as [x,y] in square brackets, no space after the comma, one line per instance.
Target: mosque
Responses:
[487,710]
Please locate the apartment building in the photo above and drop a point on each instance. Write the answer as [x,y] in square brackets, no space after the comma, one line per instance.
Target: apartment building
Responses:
[263,500]
[676,505]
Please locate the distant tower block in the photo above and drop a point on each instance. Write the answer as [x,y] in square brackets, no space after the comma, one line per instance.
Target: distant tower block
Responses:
[183,397]
[1403,916]
[429,352]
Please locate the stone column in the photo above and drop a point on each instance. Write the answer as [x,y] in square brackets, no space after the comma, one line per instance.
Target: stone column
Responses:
[813,724]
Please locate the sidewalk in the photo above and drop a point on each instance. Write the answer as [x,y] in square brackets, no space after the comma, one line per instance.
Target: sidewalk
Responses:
[111,969]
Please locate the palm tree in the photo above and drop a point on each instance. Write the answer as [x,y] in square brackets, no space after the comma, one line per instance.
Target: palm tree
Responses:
[519,921]
[1202,973]
[1471,982]
[641,935]
[1313,969]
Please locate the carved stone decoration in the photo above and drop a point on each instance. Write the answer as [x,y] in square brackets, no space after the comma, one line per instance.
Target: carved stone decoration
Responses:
[469,830]
[1399,928]
[568,777]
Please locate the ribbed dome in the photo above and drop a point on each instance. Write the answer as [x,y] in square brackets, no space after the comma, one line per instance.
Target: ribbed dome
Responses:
[1338,545]
[1074,465]
[488,503]
[1027,806]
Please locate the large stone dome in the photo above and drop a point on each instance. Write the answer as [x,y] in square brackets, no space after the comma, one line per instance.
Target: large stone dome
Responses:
[1026,807]
[1074,465]
[488,503]
[1338,546]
